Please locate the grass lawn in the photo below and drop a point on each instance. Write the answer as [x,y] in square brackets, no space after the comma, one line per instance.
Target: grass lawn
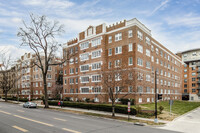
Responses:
[179,107]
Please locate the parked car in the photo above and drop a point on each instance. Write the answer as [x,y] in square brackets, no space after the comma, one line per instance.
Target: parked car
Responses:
[30,105]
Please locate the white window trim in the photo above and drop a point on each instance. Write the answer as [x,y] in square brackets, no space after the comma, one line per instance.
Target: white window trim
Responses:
[118,50]
[85,70]
[96,51]
[96,63]
[96,75]
[83,54]
[85,76]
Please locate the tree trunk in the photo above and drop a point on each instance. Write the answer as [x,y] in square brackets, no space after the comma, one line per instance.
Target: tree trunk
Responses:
[113,109]
[6,96]
[45,93]
[17,95]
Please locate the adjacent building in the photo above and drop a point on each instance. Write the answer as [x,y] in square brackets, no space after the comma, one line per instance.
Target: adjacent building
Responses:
[130,43]
[191,74]
[30,83]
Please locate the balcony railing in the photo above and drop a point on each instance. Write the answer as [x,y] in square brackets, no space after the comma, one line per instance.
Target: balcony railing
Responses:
[198,81]
[198,70]
[198,75]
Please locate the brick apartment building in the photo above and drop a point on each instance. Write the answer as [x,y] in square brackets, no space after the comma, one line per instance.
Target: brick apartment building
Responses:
[30,83]
[100,48]
[191,74]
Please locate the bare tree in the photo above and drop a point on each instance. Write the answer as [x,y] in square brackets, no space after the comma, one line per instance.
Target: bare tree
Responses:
[57,90]
[8,77]
[118,82]
[40,36]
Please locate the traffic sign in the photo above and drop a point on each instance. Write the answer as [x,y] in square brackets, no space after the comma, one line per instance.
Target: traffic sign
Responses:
[129,106]
[171,102]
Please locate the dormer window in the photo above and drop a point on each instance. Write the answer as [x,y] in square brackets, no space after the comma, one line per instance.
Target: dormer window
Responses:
[89,31]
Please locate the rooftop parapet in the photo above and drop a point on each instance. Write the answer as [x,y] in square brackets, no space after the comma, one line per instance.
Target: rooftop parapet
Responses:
[73,41]
[116,25]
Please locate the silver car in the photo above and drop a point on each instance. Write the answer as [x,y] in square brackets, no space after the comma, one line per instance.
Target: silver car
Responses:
[30,105]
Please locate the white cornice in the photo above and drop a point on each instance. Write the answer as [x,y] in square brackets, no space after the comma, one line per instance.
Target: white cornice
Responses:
[180,61]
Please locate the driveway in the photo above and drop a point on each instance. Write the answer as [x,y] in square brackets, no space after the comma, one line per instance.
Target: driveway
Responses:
[188,123]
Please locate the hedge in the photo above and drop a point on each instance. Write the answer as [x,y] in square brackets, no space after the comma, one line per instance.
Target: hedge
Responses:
[15,99]
[99,107]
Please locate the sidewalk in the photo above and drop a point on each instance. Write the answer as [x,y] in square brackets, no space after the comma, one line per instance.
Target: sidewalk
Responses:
[98,112]
[106,113]
[187,123]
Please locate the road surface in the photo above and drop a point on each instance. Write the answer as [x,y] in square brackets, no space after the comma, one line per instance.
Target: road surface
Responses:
[16,119]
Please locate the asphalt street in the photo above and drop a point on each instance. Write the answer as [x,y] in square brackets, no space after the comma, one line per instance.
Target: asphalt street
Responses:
[16,119]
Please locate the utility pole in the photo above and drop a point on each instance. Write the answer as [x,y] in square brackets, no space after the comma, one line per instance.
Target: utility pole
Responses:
[156,97]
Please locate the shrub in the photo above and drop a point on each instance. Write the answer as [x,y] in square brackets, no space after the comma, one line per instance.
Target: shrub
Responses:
[124,101]
[87,100]
[138,109]
[67,99]
[99,107]
[15,99]
[161,108]
[132,101]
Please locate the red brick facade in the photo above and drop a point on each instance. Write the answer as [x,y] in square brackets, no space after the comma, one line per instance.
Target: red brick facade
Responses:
[30,83]
[130,43]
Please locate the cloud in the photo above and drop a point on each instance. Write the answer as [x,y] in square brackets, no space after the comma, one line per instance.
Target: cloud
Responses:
[7,12]
[1,31]
[12,51]
[159,7]
[189,20]
[16,20]
[55,4]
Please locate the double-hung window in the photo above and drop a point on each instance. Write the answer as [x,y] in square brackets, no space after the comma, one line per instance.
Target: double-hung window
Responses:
[96,42]
[118,50]
[85,90]
[130,47]
[96,78]
[71,71]
[109,51]
[148,41]
[130,33]
[140,48]
[147,52]
[110,39]
[96,66]
[84,57]
[118,36]
[96,54]
[130,61]
[139,61]
[85,79]
[140,35]
[117,63]
[84,68]
[84,45]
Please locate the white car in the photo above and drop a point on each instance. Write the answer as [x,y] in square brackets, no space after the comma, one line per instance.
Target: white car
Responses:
[30,105]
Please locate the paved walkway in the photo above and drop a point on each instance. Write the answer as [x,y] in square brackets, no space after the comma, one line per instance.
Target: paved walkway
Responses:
[188,123]
[99,112]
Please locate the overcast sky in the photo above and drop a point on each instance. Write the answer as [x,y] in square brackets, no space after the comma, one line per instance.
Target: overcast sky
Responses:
[174,23]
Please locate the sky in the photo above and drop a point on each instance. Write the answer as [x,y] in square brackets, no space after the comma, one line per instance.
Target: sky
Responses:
[174,23]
